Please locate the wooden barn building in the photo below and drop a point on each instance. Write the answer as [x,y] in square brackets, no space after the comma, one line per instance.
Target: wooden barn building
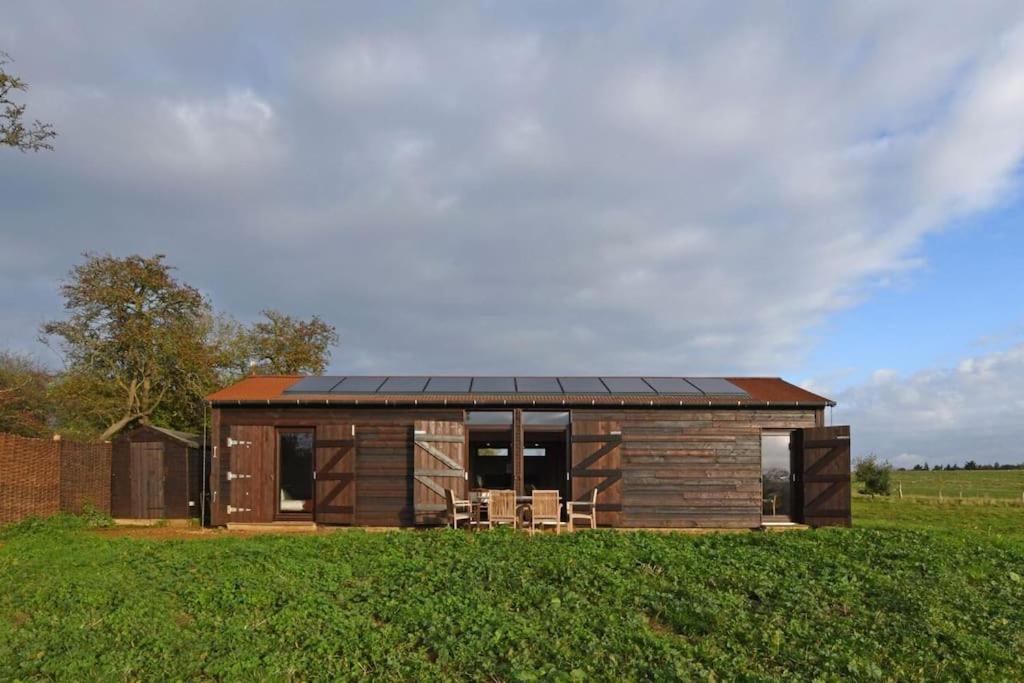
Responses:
[661,451]
[156,473]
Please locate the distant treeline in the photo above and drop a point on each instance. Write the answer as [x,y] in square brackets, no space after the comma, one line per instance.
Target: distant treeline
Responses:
[969,465]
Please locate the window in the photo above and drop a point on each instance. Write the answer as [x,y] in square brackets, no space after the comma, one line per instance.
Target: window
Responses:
[490,452]
[545,418]
[295,471]
[499,418]
[535,452]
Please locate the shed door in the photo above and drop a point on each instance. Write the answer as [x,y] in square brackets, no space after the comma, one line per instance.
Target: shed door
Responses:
[439,463]
[597,463]
[823,460]
[249,479]
[147,480]
[335,474]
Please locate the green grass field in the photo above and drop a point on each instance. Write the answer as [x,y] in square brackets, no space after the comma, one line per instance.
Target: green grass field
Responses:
[1008,484]
[832,604]
[985,519]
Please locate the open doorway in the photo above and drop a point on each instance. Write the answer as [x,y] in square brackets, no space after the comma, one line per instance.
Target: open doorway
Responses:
[490,449]
[546,451]
[777,499]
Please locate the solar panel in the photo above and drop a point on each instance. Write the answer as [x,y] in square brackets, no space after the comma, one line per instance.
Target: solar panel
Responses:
[313,385]
[448,385]
[627,385]
[403,385]
[672,385]
[538,385]
[359,385]
[716,385]
[583,385]
[493,385]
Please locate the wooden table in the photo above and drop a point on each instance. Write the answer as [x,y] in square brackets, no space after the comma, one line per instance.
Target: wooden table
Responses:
[478,505]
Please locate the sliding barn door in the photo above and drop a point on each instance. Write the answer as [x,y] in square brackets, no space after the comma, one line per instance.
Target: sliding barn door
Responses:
[823,463]
[335,474]
[439,463]
[247,472]
[597,463]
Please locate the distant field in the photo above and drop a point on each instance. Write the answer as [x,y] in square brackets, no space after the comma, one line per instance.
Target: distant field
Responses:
[973,483]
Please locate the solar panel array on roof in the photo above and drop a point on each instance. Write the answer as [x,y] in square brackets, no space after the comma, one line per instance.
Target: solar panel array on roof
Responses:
[672,385]
[538,385]
[660,386]
[313,385]
[403,385]
[449,385]
[716,386]
[627,385]
[583,385]
[494,385]
[359,385]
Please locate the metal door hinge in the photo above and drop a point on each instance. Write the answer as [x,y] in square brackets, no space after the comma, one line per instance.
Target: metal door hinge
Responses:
[233,475]
[235,442]
[232,509]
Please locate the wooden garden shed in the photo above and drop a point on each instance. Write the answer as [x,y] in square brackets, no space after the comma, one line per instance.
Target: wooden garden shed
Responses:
[156,473]
[661,452]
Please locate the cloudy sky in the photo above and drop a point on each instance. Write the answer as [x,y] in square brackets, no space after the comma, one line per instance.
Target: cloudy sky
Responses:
[827,192]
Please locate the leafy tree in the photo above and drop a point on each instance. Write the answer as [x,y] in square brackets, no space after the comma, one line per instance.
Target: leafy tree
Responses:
[970,465]
[283,345]
[135,345]
[24,404]
[874,476]
[13,130]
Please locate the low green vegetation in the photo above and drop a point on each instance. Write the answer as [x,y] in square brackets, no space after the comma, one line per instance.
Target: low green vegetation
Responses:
[831,604]
[971,515]
[954,483]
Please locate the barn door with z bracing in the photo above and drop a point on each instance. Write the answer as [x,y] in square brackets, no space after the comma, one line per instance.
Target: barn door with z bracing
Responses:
[597,463]
[439,463]
[823,461]
[335,474]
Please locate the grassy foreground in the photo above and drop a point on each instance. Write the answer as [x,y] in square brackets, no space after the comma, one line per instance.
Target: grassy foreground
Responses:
[830,604]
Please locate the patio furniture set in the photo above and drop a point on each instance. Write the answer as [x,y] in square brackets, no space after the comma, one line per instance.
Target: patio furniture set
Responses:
[487,508]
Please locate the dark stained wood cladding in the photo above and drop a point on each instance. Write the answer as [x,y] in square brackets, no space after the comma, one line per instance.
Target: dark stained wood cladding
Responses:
[681,467]
[144,460]
[824,463]
[597,463]
[439,462]
[121,479]
[335,496]
[147,480]
[693,468]
[249,476]
[383,449]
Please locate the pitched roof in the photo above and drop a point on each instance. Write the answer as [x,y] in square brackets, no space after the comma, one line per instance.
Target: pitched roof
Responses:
[749,391]
[187,438]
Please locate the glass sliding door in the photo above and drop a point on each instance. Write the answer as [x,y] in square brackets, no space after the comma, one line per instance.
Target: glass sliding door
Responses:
[295,472]
[776,476]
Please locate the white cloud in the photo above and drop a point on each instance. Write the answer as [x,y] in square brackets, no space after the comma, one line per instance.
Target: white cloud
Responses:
[655,188]
[973,411]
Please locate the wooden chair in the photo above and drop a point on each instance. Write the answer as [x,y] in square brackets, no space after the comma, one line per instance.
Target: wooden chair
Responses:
[457,509]
[501,508]
[583,510]
[770,500]
[545,510]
